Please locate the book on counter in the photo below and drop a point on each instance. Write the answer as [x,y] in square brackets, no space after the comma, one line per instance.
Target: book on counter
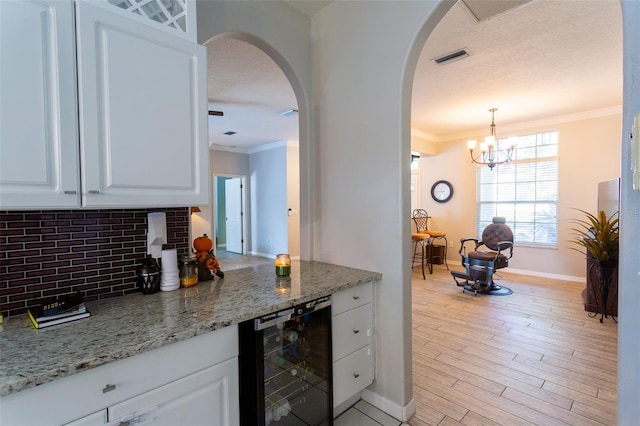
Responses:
[58,310]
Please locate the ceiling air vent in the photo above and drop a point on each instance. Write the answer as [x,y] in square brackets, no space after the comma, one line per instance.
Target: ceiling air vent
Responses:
[450,57]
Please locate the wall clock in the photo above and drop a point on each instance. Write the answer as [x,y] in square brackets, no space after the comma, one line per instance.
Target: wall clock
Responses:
[442,191]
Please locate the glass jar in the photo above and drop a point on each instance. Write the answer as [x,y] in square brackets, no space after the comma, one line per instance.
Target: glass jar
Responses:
[283,265]
[188,271]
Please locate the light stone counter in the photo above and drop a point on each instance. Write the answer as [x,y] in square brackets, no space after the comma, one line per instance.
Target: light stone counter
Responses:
[129,325]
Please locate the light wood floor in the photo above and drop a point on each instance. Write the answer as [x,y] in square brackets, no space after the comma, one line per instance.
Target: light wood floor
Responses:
[534,357]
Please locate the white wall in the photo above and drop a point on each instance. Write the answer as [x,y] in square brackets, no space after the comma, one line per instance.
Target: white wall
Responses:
[220,163]
[362,106]
[364,56]
[293,198]
[629,278]
[589,153]
[284,34]
[268,182]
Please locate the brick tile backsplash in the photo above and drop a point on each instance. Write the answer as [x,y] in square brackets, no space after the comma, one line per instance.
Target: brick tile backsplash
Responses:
[96,252]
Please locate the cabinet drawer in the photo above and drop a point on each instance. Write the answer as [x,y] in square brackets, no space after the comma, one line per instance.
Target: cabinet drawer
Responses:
[352,374]
[352,330]
[351,298]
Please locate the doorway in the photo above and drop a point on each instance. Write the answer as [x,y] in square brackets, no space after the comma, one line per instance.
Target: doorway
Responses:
[229,218]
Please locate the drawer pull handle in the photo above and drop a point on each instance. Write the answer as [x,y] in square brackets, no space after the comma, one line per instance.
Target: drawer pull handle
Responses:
[356,375]
[70,192]
[356,297]
[356,331]
[94,192]
[108,388]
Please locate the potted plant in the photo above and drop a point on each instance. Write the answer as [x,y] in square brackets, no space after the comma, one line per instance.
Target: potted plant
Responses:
[599,236]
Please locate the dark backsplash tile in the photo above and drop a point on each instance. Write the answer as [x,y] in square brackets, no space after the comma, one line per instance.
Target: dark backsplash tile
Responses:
[96,252]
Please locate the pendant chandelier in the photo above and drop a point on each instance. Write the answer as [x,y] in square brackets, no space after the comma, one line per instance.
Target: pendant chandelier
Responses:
[490,153]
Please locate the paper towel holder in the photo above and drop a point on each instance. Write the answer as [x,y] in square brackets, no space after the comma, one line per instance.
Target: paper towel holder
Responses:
[156,233]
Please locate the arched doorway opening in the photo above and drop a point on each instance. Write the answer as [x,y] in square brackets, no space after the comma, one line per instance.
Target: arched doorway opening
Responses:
[253,137]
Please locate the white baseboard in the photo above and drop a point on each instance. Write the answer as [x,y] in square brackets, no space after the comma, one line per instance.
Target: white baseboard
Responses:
[546,275]
[532,273]
[256,253]
[402,413]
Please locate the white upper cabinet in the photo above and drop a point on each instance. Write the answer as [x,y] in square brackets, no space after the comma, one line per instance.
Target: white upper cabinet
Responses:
[38,105]
[123,124]
[143,129]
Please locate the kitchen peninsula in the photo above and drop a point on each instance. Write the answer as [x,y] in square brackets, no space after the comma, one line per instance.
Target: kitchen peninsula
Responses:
[122,328]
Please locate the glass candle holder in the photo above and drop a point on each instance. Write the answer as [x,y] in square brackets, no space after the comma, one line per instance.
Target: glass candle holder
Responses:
[188,271]
[283,285]
[283,265]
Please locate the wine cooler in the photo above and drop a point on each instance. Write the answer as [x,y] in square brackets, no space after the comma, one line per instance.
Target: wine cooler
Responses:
[285,367]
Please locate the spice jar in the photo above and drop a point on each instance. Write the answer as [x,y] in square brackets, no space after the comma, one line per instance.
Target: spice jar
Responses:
[283,265]
[188,271]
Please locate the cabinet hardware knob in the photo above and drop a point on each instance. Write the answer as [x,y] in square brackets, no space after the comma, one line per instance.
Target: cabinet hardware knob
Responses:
[93,192]
[356,297]
[356,331]
[108,388]
[70,192]
[356,375]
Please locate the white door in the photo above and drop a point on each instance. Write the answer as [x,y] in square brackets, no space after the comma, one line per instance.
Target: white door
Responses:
[233,220]
[38,106]
[142,113]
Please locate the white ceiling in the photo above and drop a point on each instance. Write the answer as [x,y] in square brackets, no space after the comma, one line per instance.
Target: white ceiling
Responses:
[545,59]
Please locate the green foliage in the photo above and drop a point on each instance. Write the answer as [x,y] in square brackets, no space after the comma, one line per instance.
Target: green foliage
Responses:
[599,235]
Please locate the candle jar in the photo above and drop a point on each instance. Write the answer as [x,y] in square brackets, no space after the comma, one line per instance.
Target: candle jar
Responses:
[283,265]
[188,271]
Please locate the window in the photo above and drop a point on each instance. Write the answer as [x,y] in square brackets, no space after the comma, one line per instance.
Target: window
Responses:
[524,191]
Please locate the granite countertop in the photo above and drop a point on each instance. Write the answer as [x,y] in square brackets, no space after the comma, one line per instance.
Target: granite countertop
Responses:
[125,326]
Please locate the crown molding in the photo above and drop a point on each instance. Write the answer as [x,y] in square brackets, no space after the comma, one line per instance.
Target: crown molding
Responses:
[214,147]
[510,128]
[550,121]
[424,135]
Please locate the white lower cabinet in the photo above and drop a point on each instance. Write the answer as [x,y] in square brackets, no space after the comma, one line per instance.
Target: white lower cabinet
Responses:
[199,399]
[192,382]
[352,327]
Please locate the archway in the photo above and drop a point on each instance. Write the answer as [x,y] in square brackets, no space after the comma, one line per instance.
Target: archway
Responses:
[253,132]
[613,141]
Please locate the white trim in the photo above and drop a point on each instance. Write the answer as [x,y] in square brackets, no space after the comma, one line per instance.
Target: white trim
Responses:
[402,413]
[511,128]
[425,135]
[214,147]
[267,146]
[510,270]
[257,253]
[546,275]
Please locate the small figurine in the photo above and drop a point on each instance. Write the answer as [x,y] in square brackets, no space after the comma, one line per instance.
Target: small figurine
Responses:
[207,262]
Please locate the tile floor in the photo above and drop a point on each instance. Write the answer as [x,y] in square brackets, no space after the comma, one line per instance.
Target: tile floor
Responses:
[365,414]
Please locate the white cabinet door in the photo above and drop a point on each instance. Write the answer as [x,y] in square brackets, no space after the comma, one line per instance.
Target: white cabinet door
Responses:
[38,105]
[143,102]
[208,397]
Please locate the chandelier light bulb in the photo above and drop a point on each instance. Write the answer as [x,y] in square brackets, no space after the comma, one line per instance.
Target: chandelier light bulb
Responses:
[490,152]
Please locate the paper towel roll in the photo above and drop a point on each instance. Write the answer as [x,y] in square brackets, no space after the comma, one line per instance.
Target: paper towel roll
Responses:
[169,260]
